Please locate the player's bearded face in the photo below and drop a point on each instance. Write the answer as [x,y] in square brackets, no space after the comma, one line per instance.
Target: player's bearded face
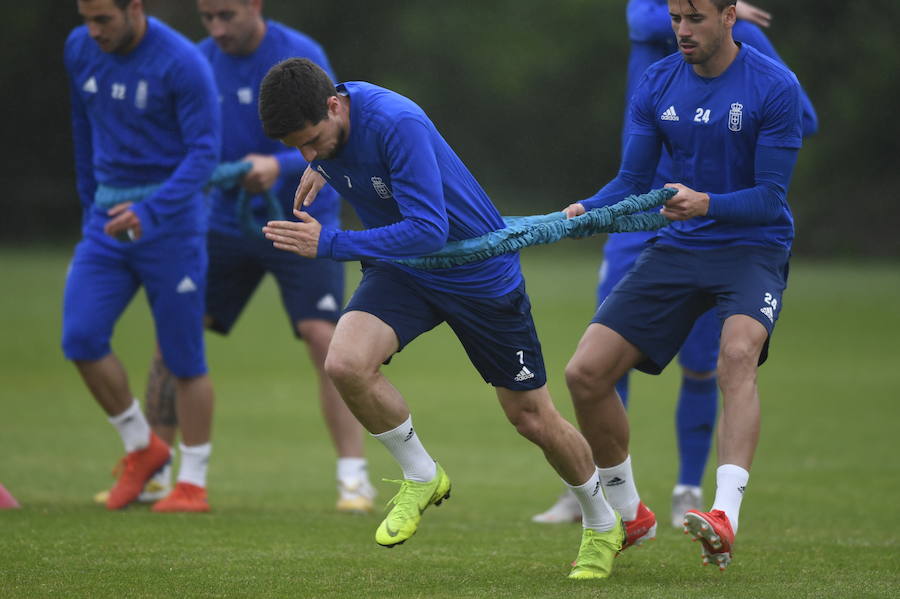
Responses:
[111,28]
[321,141]
[232,24]
[332,143]
[699,28]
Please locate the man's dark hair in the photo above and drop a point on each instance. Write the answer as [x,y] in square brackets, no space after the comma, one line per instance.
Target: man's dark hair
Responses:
[720,4]
[293,95]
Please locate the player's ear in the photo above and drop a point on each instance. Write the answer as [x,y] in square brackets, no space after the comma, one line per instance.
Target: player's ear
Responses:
[730,15]
[334,106]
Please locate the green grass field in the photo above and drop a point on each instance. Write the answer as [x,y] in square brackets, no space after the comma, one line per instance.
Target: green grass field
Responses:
[820,519]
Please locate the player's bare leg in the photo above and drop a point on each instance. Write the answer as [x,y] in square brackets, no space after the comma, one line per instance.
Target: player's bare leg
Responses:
[361,343]
[355,492]
[742,341]
[160,400]
[738,434]
[603,357]
[194,406]
[108,383]
[145,452]
[159,408]
[535,417]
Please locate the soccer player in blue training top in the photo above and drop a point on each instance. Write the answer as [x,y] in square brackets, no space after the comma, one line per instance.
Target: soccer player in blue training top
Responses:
[382,153]
[144,113]
[650,33]
[241,48]
[730,118]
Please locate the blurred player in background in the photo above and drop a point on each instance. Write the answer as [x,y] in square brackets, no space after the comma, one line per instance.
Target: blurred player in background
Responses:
[731,119]
[651,38]
[384,155]
[241,48]
[144,113]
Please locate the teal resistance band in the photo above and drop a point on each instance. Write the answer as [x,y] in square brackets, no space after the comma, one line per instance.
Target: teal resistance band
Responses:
[226,176]
[626,216]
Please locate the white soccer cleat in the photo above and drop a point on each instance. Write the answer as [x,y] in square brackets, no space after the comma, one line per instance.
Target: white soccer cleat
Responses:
[159,486]
[685,498]
[566,509]
[355,496]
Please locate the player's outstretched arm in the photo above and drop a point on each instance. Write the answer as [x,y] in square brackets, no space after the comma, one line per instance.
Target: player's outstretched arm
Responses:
[753,14]
[310,184]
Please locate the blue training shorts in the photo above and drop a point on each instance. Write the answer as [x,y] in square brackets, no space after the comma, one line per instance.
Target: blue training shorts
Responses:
[104,276]
[657,303]
[310,289]
[497,333]
[700,350]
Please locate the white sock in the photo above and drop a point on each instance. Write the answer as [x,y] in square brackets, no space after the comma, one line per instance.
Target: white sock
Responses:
[194,462]
[621,492]
[352,469]
[132,427]
[695,491]
[404,445]
[731,481]
[596,513]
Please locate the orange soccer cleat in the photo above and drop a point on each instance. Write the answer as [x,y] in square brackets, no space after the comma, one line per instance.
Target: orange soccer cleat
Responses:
[135,469]
[185,497]
[713,530]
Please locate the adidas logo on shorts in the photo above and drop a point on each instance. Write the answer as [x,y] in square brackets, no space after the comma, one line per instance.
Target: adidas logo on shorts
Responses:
[769,312]
[327,303]
[524,375]
[186,285]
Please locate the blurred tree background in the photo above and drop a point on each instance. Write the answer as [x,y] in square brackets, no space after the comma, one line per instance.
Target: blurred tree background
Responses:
[528,92]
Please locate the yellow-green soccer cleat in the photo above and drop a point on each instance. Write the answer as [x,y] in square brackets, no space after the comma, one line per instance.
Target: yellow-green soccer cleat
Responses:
[411,500]
[597,552]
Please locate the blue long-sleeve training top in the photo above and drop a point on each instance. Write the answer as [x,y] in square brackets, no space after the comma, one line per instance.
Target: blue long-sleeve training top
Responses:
[238,79]
[651,39]
[412,193]
[147,117]
[734,136]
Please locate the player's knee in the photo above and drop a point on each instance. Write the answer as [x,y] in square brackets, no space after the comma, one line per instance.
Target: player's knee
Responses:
[346,369]
[529,423]
[736,357]
[583,377]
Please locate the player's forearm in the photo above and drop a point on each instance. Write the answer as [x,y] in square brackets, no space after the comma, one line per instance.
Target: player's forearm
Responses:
[411,237]
[761,203]
[191,176]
